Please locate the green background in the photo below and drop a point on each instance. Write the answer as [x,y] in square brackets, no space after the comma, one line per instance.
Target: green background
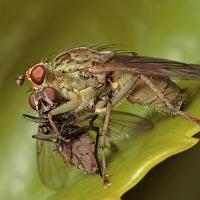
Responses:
[32,30]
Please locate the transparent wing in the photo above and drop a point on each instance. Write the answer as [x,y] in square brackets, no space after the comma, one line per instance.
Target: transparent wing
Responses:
[131,62]
[51,166]
[123,124]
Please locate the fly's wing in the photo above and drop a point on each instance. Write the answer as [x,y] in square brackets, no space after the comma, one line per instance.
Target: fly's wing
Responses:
[51,166]
[123,124]
[131,62]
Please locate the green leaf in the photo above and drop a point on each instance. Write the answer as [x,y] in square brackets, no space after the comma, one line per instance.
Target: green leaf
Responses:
[32,30]
[136,157]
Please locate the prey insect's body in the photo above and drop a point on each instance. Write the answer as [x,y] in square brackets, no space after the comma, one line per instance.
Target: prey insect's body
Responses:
[97,79]
[74,144]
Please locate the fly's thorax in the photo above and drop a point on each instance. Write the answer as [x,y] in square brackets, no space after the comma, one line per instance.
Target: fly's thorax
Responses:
[79,79]
[143,95]
[84,87]
[70,83]
[79,58]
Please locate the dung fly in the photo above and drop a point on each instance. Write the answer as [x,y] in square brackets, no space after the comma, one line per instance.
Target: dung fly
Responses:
[97,79]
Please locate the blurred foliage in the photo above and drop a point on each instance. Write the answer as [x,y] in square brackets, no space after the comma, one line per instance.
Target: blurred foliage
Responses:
[31,30]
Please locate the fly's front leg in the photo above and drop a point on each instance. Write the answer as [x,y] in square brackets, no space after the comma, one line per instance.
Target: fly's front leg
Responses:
[103,144]
[64,108]
[162,97]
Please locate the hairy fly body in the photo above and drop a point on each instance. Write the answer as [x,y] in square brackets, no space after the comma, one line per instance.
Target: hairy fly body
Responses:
[96,79]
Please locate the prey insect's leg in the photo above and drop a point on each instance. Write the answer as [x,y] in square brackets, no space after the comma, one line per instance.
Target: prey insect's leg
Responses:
[44,137]
[166,101]
[103,144]
[38,120]
[50,137]
[96,129]
[76,118]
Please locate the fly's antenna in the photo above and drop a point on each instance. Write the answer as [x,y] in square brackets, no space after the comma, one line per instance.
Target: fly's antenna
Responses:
[20,80]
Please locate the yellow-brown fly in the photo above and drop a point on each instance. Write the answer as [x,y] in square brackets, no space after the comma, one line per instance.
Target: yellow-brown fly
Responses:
[96,79]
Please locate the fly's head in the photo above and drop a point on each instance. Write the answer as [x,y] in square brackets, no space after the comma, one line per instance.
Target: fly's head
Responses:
[39,75]
[44,97]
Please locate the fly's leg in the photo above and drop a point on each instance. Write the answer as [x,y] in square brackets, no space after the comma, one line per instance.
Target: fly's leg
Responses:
[44,137]
[53,125]
[38,120]
[103,144]
[166,101]
[64,108]
[43,121]
[121,86]
[96,129]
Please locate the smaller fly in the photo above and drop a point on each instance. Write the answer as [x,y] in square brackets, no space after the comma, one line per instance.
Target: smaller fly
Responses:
[75,145]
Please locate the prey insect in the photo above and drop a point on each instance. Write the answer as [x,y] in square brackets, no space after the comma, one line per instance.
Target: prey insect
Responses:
[97,79]
[74,145]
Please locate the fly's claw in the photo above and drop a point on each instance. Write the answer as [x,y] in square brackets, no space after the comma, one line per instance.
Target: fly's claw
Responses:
[106,181]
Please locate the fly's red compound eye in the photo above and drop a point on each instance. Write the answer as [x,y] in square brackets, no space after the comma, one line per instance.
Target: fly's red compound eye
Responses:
[32,101]
[37,74]
[52,94]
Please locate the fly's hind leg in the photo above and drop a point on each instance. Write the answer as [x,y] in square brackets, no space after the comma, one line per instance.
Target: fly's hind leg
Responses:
[166,101]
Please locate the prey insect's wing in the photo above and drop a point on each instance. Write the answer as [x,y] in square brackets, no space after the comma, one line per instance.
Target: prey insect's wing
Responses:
[131,62]
[123,124]
[51,166]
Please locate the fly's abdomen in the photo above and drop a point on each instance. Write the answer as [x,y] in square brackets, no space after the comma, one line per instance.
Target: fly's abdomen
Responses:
[142,94]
